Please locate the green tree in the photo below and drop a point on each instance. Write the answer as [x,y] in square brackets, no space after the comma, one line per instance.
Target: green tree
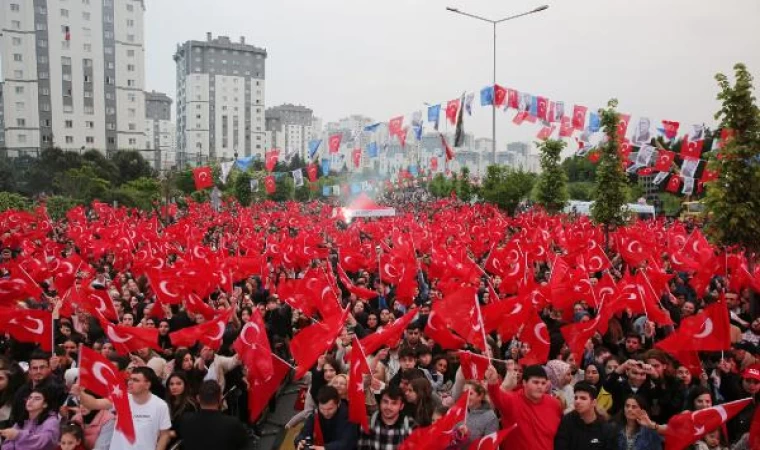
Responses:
[130,165]
[284,189]
[81,184]
[104,168]
[581,190]
[143,192]
[45,169]
[734,199]
[579,169]
[242,188]
[184,181]
[57,206]
[611,179]
[11,200]
[464,188]
[552,183]
[506,187]
[440,186]
[7,175]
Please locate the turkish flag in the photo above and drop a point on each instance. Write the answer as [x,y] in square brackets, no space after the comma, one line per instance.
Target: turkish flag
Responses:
[360,291]
[388,335]
[579,117]
[566,127]
[65,271]
[357,411]
[271,158]
[664,160]
[28,325]
[674,183]
[578,334]
[265,388]
[270,184]
[709,175]
[126,339]
[437,330]
[98,375]
[313,341]
[356,157]
[536,335]
[169,289]
[461,313]
[203,178]
[434,164]
[208,333]
[449,151]
[252,347]
[438,436]
[670,128]
[473,365]
[688,427]
[708,330]
[395,125]
[506,316]
[596,259]
[691,149]
[513,98]
[545,133]
[623,125]
[543,108]
[499,95]
[491,441]
[452,107]
[333,143]
[311,172]
[97,302]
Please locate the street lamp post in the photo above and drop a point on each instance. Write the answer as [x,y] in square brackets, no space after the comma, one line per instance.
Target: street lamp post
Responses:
[494,23]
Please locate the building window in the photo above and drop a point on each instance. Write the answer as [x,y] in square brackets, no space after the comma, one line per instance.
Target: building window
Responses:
[40,26]
[19,89]
[18,74]
[132,127]
[16,24]
[110,111]
[87,79]
[69,139]
[131,83]
[87,47]
[66,76]
[86,15]
[132,112]
[64,13]
[108,50]
[41,42]
[108,34]
[109,80]
[17,57]
[69,123]
[22,139]
[16,41]
[132,141]
[20,122]
[44,75]
[87,62]
[44,91]
[130,67]
[110,65]
[131,53]
[87,94]
[132,97]
[130,8]
[66,60]
[68,108]
[65,45]
[89,110]
[130,38]
[20,106]
[89,140]
[112,140]
[110,126]
[46,107]
[89,124]
[130,22]
[86,32]
[15,7]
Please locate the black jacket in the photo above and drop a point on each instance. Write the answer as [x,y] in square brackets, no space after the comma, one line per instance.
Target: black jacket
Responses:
[211,429]
[617,385]
[575,434]
[338,432]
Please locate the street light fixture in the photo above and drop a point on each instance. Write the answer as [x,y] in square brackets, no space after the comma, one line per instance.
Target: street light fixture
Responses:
[494,23]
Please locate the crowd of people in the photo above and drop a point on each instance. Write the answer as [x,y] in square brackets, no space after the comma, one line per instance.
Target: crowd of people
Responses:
[615,390]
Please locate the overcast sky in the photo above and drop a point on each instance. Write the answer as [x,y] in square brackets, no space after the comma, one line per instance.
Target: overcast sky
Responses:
[385,58]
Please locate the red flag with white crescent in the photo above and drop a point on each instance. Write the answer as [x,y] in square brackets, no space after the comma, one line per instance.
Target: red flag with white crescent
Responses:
[208,333]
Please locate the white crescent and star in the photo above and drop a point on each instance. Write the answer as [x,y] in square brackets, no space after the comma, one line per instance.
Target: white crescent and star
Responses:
[38,329]
[115,337]
[707,329]
[97,372]
[537,331]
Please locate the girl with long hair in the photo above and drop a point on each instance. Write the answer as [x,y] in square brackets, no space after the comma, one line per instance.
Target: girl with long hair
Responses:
[636,430]
[481,419]
[420,404]
[37,427]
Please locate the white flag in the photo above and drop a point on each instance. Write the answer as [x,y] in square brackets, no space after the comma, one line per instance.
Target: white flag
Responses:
[643,158]
[336,190]
[688,185]
[254,185]
[689,167]
[298,177]
[226,169]
[660,177]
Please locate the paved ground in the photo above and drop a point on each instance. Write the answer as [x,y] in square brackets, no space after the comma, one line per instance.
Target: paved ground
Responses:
[272,431]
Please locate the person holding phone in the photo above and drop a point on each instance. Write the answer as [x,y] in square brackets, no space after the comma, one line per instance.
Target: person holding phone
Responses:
[632,377]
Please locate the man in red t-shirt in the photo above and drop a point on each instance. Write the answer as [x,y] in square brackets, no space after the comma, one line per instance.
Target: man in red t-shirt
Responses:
[536,413]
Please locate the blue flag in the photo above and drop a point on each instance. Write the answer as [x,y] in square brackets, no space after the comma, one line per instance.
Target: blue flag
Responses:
[356,188]
[244,163]
[434,113]
[534,106]
[486,96]
[313,147]
[413,170]
[594,122]
[326,191]
[372,149]
[372,128]
[325,167]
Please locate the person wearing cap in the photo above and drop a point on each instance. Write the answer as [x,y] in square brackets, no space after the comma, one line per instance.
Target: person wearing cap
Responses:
[750,387]
[536,413]
[583,428]
[745,352]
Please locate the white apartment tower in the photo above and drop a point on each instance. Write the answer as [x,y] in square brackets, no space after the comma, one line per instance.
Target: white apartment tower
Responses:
[220,100]
[289,128]
[74,74]
[160,148]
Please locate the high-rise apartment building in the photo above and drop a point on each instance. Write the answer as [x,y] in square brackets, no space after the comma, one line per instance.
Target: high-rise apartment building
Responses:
[160,147]
[290,128]
[73,74]
[220,99]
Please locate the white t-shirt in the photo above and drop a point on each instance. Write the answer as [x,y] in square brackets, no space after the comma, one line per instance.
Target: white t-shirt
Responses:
[150,418]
